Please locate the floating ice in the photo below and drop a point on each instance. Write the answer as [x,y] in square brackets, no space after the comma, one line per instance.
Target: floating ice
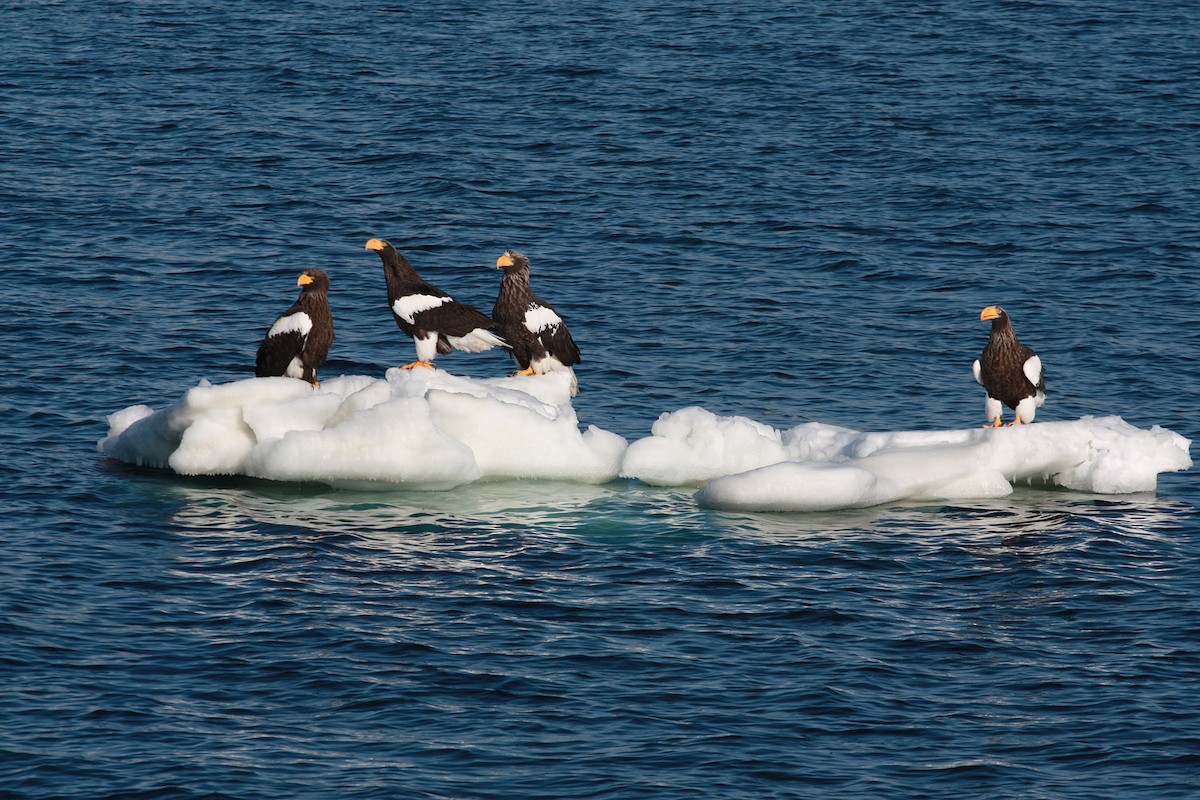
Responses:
[419,429]
[752,467]
[429,429]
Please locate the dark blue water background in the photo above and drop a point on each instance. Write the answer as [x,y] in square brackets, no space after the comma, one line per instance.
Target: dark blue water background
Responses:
[792,212]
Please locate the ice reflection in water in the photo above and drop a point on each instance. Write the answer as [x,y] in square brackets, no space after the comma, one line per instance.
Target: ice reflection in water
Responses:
[628,509]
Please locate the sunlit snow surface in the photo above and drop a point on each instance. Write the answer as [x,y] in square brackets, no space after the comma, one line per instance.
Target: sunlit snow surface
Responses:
[418,429]
[749,466]
[429,429]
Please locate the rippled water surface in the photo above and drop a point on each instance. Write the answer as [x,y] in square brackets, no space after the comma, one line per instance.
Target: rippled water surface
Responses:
[790,213]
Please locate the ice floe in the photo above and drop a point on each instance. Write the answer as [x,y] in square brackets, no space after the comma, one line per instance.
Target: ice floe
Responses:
[748,466]
[418,429]
[429,429]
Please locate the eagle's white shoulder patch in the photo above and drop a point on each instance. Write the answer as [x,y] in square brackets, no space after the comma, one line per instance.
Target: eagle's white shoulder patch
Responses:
[299,322]
[409,306]
[1033,369]
[539,318]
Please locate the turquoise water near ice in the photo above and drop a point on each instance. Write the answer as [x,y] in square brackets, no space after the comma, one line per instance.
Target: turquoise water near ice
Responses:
[788,213]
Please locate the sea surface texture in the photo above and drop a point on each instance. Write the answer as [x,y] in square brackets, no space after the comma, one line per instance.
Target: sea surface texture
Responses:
[791,212]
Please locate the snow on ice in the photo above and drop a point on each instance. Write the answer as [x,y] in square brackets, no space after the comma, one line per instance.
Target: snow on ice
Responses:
[748,466]
[429,429]
[418,429]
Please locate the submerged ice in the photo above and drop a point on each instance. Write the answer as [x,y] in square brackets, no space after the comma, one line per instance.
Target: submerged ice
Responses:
[429,429]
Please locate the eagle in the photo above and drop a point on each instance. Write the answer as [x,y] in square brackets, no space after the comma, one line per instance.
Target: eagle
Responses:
[299,339]
[1009,372]
[436,321]
[538,336]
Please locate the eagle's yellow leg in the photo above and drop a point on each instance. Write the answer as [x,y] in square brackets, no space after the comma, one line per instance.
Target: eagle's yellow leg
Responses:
[526,371]
[1016,421]
[995,423]
[418,363]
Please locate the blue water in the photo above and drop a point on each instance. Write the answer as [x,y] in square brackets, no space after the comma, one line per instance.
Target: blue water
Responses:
[790,213]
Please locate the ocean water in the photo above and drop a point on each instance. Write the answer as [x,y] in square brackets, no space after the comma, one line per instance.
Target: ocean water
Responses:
[792,213]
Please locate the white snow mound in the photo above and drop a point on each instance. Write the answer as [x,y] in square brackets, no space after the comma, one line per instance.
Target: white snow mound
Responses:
[418,429]
[429,429]
[748,466]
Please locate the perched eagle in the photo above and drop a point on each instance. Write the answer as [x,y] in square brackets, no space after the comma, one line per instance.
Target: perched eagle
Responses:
[1009,372]
[436,321]
[538,336]
[299,340]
